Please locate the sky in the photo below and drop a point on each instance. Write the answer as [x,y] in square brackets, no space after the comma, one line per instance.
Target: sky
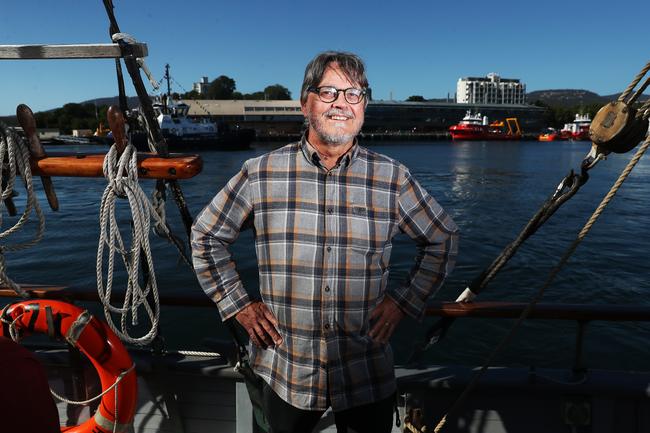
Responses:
[410,47]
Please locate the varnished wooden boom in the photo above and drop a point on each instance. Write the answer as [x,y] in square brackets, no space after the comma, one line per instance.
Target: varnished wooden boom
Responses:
[150,165]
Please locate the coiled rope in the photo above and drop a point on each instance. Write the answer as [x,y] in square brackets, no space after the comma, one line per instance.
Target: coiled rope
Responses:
[121,171]
[14,160]
[554,272]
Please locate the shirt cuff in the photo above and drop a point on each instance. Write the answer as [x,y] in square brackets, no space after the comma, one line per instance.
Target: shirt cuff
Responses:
[408,302]
[233,302]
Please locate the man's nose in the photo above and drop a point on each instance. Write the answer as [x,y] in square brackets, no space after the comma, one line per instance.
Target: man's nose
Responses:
[340,97]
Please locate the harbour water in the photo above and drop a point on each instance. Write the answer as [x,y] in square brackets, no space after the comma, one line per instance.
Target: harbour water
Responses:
[490,188]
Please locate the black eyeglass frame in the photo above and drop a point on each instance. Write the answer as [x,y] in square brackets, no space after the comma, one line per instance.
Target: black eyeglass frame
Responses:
[317,90]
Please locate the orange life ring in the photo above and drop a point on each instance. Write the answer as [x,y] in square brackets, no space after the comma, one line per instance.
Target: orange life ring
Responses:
[95,340]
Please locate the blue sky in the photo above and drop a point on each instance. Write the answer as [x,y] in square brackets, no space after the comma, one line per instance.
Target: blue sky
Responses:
[410,47]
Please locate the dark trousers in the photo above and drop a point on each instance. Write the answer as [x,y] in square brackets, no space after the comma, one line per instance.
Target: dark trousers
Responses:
[375,417]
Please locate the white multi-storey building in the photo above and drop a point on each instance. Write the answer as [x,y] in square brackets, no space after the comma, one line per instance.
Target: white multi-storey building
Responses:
[490,90]
[202,86]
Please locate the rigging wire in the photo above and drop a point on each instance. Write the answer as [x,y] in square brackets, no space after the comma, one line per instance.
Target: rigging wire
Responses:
[555,271]
[564,259]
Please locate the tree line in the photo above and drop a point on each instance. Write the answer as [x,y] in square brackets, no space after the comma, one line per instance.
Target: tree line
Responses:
[87,116]
[72,116]
[224,87]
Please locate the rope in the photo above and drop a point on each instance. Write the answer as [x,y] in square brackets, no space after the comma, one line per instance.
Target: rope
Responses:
[195,353]
[526,312]
[126,38]
[118,379]
[122,175]
[639,91]
[634,82]
[14,161]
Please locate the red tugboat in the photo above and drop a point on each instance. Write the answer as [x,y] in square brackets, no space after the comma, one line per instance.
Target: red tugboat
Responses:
[476,127]
[550,134]
[578,129]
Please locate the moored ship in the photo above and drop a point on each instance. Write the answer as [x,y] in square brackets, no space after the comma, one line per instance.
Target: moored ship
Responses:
[476,127]
[578,129]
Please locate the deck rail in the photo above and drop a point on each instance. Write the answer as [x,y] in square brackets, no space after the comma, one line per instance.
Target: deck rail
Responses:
[582,314]
[484,309]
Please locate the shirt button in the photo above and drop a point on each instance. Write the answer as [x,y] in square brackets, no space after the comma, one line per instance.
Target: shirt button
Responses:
[329,249]
[327,326]
[327,289]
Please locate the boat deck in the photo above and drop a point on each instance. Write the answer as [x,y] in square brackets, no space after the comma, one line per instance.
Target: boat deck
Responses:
[195,394]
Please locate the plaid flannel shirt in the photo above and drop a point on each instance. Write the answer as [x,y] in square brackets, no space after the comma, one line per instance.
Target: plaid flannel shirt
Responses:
[323,244]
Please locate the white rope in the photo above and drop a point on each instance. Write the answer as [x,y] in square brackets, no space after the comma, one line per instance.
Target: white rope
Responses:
[14,161]
[128,39]
[122,176]
[118,379]
[195,353]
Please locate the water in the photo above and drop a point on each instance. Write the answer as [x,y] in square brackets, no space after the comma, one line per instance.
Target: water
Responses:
[491,190]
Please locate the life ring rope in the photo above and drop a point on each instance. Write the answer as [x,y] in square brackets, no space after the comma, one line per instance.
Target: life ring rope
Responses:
[98,396]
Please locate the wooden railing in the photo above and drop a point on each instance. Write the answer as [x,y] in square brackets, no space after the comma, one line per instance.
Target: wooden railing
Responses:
[582,314]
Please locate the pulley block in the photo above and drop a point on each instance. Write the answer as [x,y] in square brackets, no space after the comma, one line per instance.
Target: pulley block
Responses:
[616,127]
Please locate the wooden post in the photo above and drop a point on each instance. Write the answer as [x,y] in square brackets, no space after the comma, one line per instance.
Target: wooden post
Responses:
[117,124]
[26,119]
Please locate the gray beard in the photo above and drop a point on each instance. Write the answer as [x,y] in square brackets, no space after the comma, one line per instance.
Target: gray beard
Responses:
[334,139]
[330,138]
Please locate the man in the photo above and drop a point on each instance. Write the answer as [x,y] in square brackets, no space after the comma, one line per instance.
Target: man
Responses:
[324,211]
[26,404]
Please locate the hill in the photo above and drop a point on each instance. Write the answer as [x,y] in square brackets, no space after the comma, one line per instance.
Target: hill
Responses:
[132,101]
[571,97]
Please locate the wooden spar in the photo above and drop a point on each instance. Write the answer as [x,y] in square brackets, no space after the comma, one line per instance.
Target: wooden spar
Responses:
[73,51]
[150,165]
[26,119]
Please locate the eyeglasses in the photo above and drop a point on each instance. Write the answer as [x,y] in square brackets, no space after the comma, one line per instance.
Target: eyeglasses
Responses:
[330,94]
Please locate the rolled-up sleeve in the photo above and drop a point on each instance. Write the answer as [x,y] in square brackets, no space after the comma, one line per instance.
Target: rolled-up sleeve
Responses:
[214,230]
[436,237]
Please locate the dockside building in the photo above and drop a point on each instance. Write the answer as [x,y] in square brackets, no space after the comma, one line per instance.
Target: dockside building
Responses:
[284,118]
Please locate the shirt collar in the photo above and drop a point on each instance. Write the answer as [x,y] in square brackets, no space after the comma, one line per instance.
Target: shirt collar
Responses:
[311,154]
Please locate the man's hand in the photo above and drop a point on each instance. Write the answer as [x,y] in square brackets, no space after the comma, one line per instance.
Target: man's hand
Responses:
[261,324]
[386,316]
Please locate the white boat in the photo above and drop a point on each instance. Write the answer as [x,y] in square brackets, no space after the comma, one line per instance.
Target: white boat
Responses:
[183,132]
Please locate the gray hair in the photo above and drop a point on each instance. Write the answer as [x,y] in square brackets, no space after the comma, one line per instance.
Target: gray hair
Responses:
[351,65]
